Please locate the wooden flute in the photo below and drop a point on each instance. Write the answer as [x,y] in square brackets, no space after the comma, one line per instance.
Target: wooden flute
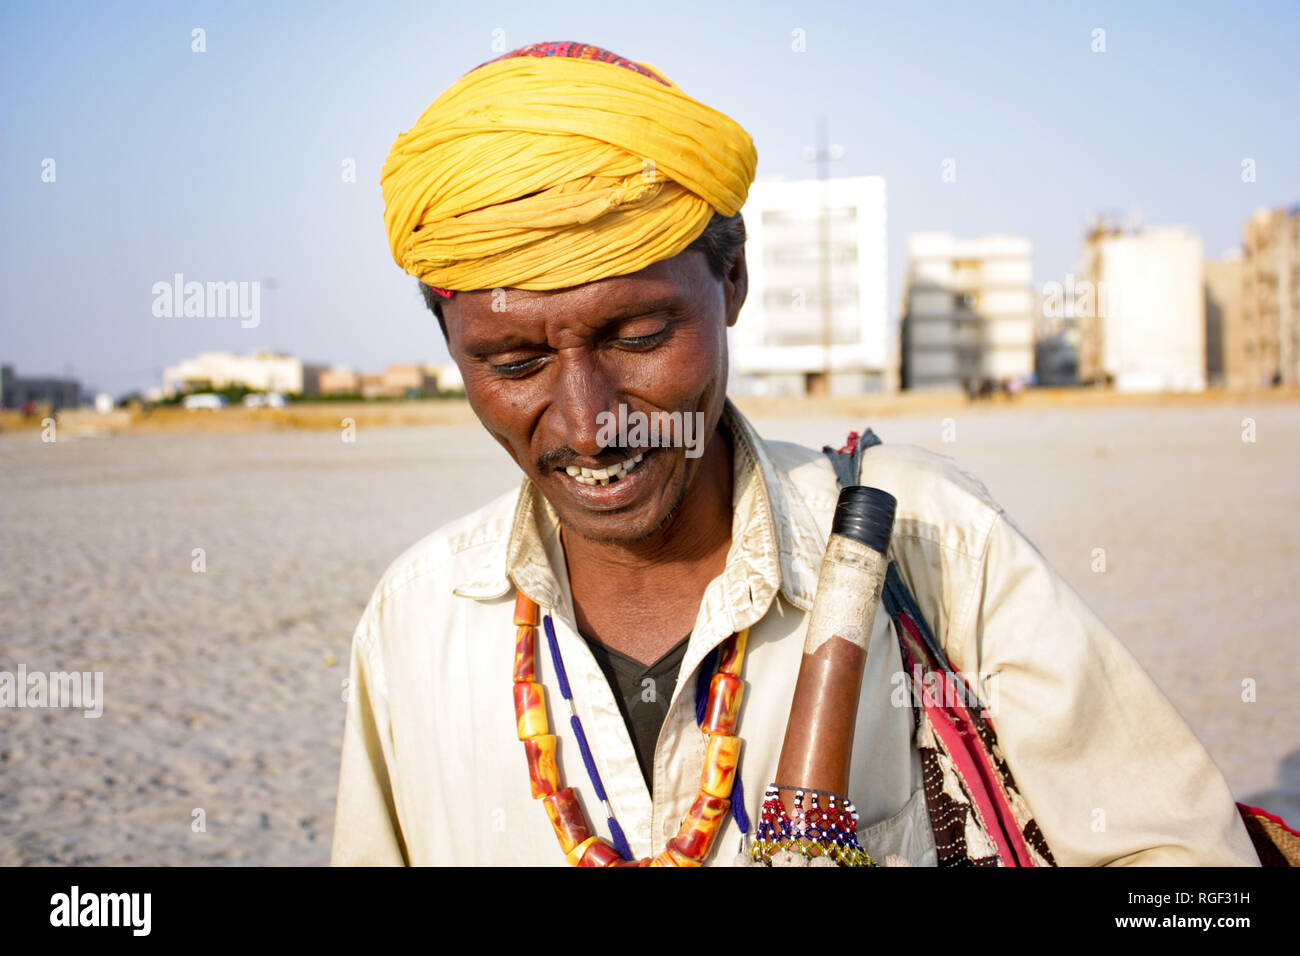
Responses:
[818,747]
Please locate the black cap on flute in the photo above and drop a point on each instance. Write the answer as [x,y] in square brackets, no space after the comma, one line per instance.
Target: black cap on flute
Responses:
[866,515]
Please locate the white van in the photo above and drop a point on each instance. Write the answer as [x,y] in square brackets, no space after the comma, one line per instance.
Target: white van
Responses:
[203,401]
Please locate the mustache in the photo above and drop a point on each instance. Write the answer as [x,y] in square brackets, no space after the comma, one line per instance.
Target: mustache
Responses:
[563,456]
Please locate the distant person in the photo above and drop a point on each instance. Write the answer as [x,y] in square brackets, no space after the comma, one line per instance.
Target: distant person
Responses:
[575,221]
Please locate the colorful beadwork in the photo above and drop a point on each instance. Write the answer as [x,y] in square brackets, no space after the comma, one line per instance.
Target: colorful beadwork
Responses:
[720,760]
[530,709]
[701,825]
[525,654]
[723,712]
[707,814]
[813,831]
[543,772]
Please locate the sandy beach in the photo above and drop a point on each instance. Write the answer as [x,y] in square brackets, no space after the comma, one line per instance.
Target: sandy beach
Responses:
[222,686]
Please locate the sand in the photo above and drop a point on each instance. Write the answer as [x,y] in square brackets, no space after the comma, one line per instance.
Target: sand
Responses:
[222,689]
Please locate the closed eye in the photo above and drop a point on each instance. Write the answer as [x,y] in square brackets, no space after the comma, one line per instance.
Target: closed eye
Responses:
[515,368]
[630,342]
[643,341]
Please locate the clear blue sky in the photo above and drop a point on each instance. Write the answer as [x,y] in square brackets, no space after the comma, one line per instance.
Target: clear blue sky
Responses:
[226,165]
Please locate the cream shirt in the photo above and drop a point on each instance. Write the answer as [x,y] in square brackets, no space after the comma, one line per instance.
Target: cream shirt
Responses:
[433,773]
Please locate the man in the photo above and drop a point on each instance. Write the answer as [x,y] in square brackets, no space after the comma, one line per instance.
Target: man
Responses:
[574,221]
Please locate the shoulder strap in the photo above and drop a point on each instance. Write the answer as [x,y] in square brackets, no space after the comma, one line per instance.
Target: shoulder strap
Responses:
[982,829]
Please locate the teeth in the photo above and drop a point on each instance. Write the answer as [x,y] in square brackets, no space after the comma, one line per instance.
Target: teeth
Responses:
[603,476]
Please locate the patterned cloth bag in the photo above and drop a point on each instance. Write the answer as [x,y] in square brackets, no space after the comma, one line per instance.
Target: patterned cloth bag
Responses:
[976,811]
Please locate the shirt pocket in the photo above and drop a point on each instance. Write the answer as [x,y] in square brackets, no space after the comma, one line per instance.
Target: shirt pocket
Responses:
[907,834]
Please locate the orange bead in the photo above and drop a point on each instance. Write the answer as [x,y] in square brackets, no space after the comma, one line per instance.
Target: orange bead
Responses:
[530,709]
[525,653]
[575,855]
[543,774]
[567,818]
[599,853]
[675,857]
[720,762]
[723,710]
[701,826]
[732,655]
[525,610]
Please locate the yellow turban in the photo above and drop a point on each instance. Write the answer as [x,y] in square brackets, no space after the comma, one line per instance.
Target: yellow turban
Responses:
[544,172]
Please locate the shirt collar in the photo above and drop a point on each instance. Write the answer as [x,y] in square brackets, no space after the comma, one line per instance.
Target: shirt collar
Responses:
[775,542]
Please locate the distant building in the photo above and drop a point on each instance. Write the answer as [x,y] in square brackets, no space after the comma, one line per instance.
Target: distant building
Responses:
[778,346]
[340,381]
[447,375]
[408,381]
[1271,297]
[260,371]
[15,392]
[1143,328]
[968,311]
[1225,341]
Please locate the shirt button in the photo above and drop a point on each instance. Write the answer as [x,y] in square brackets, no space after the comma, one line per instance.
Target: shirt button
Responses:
[643,831]
[670,828]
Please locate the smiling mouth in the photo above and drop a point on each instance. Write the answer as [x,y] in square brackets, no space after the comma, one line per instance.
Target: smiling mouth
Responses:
[604,476]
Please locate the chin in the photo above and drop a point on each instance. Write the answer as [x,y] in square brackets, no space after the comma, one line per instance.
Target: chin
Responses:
[616,530]
[620,528]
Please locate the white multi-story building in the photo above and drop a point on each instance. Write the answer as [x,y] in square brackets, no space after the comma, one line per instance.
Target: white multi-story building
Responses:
[968,310]
[1147,332]
[260,371]
[778,347]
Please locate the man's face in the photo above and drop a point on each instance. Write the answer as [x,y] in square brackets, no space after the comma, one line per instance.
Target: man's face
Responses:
[540,368]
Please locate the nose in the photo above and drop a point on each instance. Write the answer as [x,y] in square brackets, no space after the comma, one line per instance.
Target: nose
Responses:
[583,390]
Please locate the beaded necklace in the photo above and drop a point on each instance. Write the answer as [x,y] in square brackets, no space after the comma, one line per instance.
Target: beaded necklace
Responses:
[718,718]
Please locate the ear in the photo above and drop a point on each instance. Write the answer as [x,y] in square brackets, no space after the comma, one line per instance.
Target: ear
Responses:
[736,287]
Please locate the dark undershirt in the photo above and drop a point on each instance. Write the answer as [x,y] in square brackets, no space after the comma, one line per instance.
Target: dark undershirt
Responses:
[643,692]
